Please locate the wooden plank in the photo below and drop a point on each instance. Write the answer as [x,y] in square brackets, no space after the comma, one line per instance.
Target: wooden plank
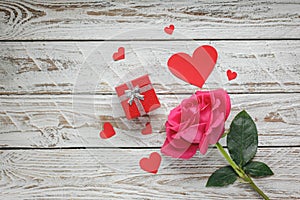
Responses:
[76,120]
[87,67]
[77,19]
[115,174]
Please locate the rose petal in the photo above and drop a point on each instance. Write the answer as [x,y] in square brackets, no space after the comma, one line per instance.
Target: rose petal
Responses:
[190,134]
[174,116]
[170,150]
[215,131]
[227,105]
[194,133]
[196,123]
[179,143]
[203,146]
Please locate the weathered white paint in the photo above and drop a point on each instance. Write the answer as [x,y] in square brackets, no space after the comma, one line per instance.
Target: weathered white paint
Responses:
[78,19]
[69,67]
[51,94]
[115,174]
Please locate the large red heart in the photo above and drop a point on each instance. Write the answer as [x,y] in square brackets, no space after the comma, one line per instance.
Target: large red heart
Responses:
[152,163]
[196,69]
[108,131]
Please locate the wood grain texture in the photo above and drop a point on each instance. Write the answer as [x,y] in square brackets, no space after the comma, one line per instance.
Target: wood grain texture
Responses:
[115,174]
[87,67]
[57,94]
[66,120]
[77,19]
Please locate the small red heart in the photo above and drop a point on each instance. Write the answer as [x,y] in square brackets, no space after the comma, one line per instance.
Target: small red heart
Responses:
[148,129]
[169,30]
[108,131]
[231,75]
[120,54]
[196,69]
[152,163]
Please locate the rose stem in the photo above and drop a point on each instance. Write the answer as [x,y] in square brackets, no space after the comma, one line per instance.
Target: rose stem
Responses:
[240,171]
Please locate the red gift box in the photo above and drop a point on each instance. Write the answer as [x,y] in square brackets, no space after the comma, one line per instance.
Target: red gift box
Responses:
[137,97]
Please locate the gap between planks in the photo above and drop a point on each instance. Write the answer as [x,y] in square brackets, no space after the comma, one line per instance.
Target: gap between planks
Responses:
[109,93]
[129,148]
[155,40]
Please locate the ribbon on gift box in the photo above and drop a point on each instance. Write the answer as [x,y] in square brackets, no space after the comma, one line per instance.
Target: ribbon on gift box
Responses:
[133,94]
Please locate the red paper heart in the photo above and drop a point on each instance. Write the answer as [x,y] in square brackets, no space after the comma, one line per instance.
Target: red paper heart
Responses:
[147,129]
[196,69]
[231,75]
[169,30]
[152,163]
[120,54]
[108,131]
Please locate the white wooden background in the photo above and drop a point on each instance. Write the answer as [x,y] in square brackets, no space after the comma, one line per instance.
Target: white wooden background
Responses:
[56,90]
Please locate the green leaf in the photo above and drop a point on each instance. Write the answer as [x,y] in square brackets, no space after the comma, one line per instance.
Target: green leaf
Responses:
[258,169]
[242,139]
[222,177]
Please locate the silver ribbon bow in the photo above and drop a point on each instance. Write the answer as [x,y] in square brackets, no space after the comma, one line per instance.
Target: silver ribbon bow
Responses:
[135,93]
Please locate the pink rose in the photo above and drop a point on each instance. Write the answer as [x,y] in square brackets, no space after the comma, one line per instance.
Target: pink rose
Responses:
[196,123]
